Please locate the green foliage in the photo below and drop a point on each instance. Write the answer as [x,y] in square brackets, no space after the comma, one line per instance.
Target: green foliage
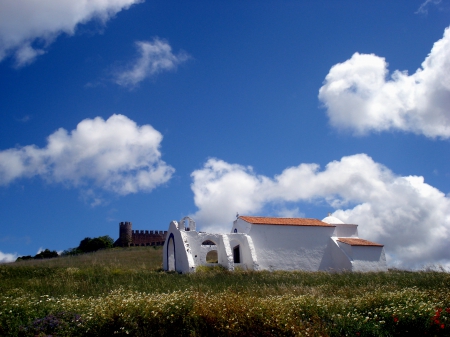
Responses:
[123,292]
[89,245]
[24,258]
[45,254]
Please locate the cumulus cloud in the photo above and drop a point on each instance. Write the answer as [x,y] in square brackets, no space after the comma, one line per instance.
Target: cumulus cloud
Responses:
[406,214]
[155,56]
[6,257]
[27,27]
[358,95]
[115,155]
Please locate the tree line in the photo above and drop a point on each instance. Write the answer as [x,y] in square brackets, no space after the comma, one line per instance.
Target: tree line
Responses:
[87,245]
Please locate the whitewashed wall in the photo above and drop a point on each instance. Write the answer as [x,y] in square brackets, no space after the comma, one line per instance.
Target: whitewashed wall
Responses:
[189,253]
[291,247]
[369,258]
[340,258]
[346,230]
[273,247]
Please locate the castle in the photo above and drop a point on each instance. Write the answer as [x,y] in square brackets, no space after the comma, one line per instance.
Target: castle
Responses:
[129,237]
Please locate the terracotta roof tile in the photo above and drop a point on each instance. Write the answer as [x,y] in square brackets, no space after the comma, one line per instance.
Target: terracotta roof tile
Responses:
[358,242]
[259,220]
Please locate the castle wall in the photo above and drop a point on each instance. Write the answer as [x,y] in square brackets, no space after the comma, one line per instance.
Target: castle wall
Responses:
[148,238]
[129,237]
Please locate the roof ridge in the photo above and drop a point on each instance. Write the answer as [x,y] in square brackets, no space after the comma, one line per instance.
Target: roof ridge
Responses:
[262,220]
[352,241]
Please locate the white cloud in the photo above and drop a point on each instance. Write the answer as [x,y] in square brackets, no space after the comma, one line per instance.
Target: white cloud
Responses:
[409,216]
[115,155]
[6,257]
[92,197]
[358,96]
[27,27]
[423,9]
[155,57]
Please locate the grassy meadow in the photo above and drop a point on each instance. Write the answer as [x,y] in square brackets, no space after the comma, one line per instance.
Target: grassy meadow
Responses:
[125,292]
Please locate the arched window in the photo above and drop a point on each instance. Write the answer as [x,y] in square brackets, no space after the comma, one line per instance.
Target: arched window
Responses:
[208,243]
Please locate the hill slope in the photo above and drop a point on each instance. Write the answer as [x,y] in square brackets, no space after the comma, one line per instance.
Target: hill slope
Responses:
[124,291]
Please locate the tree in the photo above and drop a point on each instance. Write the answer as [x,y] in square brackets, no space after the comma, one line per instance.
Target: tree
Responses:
[84,245]
[24,258]
[88,245]
[46,254]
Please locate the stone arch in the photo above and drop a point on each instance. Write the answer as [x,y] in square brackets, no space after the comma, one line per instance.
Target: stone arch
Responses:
[191,226]
[212,256]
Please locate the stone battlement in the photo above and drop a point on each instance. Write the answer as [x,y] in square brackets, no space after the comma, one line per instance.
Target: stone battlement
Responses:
[129,237]
[146,232]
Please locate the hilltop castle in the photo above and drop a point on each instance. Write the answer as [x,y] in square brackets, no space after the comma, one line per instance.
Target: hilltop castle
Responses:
[129,237]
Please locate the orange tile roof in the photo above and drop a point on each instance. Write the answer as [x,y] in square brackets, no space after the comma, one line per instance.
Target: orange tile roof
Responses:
[358,242]
[259,220]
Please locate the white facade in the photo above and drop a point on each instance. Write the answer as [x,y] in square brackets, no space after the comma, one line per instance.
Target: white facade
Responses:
[262,243]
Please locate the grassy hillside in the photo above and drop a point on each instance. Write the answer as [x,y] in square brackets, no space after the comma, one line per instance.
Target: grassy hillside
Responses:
[124,290]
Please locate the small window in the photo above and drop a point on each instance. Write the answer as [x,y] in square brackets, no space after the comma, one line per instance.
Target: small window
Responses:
[235,230]
[208,243]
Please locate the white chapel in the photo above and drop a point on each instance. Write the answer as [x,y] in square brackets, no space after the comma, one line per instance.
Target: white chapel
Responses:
[267,243]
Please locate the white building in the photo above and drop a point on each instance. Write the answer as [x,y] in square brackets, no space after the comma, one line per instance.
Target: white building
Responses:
[264,243]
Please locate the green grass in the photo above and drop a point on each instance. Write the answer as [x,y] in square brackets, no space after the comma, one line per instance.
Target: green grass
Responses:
[125,290]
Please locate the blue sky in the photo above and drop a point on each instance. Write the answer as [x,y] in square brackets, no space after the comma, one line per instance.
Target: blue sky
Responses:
[144,111]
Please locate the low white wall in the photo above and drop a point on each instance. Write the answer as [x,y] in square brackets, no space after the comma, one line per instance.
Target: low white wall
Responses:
[364,258]
[369,258]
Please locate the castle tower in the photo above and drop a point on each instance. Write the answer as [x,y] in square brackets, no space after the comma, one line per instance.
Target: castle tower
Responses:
[125,234]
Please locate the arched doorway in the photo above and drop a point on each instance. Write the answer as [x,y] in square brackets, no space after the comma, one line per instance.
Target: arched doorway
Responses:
[171,264]
[237,254]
